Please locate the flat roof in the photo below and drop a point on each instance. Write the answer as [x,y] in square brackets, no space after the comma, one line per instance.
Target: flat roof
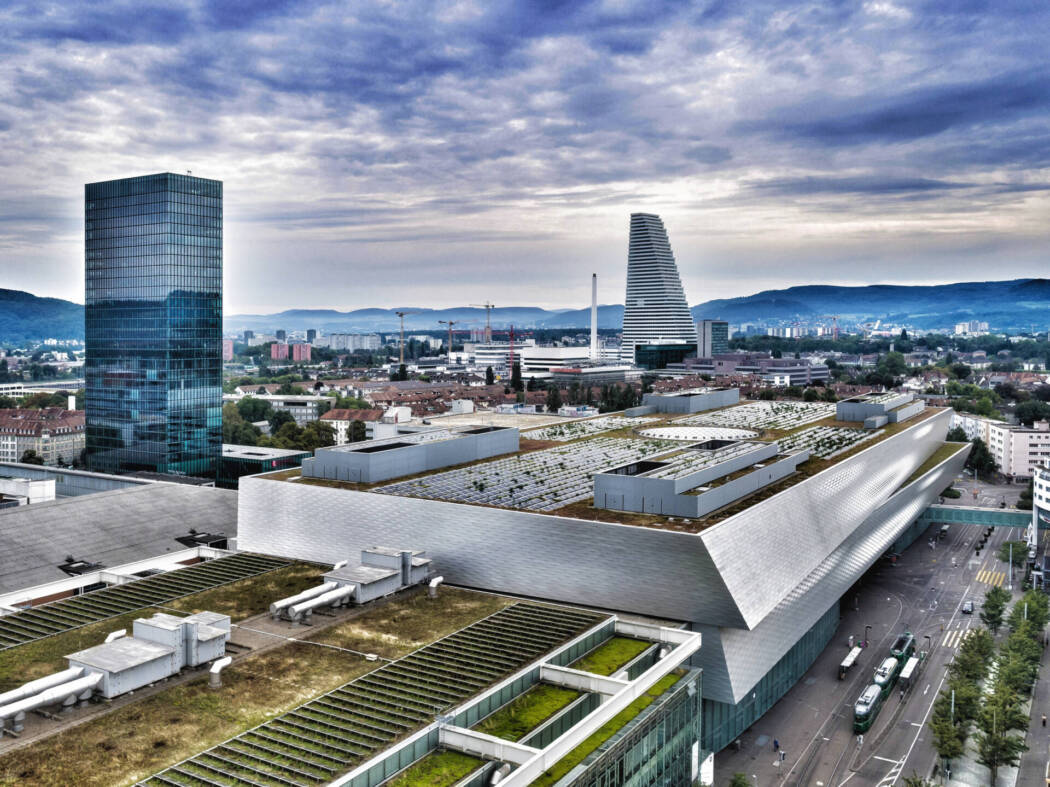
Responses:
[554,474]
[230,451]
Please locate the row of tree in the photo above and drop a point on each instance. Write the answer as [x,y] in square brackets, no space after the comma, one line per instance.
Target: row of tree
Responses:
[997,712]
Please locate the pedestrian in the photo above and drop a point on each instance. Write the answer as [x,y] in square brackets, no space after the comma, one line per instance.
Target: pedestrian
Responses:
[776,743]
[1044,719]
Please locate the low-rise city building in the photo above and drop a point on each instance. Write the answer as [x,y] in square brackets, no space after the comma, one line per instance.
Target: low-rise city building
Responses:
[55,434]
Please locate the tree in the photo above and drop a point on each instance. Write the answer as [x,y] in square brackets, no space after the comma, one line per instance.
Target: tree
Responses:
[1033,410]
[490,376]
[893,364]
[981,459]
[829,395]
[316,434]
[7,403]
[1017,551]
[767,394]
[956,435]
[995,601]
[996,747]
[915,780]
[553,399]
[947,736]
[810,395]
[252,409]
[960,370]
[31,457]
[515,377]
[740,780]
[357,431]
[287,389]
[1024,502]
[279,419]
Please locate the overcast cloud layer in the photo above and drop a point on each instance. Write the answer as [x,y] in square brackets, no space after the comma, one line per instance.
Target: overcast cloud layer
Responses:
[384,154]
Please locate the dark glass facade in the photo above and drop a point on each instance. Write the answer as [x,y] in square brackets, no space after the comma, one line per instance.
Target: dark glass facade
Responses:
[153,324]
[660,748]
[658,356]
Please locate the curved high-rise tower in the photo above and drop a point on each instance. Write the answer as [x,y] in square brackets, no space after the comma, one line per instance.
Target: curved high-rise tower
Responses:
[655,310]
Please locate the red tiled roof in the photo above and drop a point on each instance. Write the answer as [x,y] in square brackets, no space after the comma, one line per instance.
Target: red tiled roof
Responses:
[32,421]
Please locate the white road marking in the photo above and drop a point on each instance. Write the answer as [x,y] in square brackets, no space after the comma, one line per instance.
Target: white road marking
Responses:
[926,689]
[885,759]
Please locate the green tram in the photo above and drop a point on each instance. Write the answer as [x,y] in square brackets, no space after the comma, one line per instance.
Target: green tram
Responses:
[870,701]
[886,675]
[904,647]
[867,708]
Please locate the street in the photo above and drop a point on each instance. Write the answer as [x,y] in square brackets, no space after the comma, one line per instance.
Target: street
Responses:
[922,593]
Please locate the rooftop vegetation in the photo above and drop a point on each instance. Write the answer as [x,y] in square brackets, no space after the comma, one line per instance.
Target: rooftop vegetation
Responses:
[525,713]
[606,731]
[611,655]
[437,769]
[140,738]
[238,600]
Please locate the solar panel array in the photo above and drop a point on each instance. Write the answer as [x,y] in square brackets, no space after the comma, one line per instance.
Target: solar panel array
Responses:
[325,737]
[764,415]
[69,613]
[542,480]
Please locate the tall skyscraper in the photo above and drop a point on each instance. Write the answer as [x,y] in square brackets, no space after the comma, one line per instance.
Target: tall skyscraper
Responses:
[153,320]
[655,309]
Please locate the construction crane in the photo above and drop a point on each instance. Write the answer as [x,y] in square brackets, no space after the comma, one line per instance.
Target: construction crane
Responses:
[402,316]
[488,307]
[449,323]
[834,323]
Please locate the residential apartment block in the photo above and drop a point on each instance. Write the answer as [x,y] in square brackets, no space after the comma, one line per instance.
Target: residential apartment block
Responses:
[55,434]
[1018,450]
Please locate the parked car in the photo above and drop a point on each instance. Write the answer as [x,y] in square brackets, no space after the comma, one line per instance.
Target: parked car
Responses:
[967,608]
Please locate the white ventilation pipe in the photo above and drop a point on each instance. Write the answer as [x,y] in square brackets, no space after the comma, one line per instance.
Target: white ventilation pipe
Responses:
[433,591]
[116,635]
[66,693]
[278,606]
[339,565]
[217,666]
[500,774]
[38,685]
[332,598]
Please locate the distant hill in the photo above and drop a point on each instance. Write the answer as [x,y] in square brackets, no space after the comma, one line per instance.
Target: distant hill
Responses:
[1019,304]
[25,317]
[1015,305]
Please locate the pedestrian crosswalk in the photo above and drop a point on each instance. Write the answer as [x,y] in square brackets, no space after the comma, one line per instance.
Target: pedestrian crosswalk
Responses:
[954,638]
[991,577]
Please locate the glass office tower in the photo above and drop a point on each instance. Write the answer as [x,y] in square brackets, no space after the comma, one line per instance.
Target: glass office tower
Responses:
[153,323]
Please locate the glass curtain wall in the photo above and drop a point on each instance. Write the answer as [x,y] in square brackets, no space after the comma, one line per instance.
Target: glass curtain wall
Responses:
[153,323]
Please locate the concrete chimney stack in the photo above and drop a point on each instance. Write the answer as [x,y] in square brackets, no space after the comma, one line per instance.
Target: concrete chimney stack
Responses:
[594,316]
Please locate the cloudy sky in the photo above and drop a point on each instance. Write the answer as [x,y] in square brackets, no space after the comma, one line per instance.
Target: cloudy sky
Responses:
[438,154]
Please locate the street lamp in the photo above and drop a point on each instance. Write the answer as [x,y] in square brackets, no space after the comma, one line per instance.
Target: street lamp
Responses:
[866,630]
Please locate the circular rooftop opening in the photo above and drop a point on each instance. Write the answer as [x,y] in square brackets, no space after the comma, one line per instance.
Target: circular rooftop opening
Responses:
[696,434]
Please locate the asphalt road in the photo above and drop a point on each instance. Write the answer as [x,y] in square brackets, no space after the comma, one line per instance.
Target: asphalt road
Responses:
[813,723]
[990,495]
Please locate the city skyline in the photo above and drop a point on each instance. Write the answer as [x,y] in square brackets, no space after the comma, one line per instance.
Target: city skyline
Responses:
[786,144]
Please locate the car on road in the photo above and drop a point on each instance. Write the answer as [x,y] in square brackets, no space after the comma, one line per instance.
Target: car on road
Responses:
[967,608]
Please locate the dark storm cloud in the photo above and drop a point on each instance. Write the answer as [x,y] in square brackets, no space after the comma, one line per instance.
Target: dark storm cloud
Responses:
[998,100]
[861,184]
[374,121]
